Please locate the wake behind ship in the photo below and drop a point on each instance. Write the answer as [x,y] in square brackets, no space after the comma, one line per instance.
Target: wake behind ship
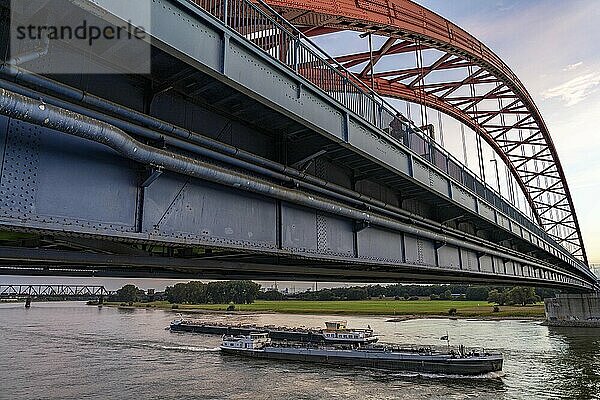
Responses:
[259,345]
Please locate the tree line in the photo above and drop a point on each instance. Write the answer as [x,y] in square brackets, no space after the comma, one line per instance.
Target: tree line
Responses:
[246,292]
[515,295]
[196,292]
[498,295]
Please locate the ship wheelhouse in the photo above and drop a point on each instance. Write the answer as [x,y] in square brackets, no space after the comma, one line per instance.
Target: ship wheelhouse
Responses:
[338,331]
[253,341]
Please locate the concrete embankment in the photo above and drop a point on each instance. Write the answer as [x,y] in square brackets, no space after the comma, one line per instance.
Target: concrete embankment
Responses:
[573,310]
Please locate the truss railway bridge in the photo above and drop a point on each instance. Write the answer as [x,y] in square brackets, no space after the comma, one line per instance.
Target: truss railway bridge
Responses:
[29,292]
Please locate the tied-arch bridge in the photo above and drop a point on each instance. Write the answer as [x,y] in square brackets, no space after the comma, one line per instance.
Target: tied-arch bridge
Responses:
[248,151]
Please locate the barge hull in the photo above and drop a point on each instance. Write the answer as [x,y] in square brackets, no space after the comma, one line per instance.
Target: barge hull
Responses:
[277,335]
[304,337]
[421,364]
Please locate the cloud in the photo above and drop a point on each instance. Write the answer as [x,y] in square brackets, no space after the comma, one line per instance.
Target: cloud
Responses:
[575,90]
[502,6]
[571,67]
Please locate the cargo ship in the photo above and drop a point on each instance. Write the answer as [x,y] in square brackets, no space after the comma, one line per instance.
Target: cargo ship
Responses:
[259,345]
[335,332]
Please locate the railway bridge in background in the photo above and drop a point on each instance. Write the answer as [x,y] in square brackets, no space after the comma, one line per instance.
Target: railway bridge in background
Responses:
[250,152]
[16,291]
[29,292]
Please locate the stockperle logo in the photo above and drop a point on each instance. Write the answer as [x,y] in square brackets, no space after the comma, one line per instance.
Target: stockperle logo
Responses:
[81,36]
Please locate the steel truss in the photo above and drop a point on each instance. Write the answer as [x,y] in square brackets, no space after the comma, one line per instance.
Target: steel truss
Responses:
[487,96]
[51,290]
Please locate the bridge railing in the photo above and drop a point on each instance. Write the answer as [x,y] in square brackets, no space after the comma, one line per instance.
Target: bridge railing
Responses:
[263,26]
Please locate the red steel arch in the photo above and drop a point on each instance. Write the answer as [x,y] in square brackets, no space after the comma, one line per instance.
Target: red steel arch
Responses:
[496,104]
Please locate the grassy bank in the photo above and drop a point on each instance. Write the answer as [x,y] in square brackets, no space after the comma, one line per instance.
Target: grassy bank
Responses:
[368,307]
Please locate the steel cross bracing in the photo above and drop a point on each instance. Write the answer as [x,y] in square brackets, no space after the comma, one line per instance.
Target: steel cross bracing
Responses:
[51,290]
[262,25]
[465,80]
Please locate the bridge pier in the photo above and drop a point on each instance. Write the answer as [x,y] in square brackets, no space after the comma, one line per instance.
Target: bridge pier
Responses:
[576,310]
[27,302]
[101,300]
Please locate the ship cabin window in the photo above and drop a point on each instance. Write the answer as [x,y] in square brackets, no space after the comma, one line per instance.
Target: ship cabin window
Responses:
[335,325]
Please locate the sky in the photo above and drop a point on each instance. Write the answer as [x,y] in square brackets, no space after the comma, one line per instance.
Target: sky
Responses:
[552,46]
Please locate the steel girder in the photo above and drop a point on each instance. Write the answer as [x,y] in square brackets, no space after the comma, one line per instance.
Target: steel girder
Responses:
[488,97]
[44,261]
[51,290]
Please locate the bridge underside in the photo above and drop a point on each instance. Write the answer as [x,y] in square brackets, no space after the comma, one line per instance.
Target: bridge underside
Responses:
[231,265]
[223,164]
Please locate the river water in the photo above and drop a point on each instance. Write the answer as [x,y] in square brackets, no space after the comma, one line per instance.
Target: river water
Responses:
[67,350]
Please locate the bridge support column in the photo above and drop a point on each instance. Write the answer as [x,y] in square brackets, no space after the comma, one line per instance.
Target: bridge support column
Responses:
[28,302]
[573,310]
[101,300]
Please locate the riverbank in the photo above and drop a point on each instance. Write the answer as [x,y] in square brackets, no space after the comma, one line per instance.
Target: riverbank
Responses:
[395,308]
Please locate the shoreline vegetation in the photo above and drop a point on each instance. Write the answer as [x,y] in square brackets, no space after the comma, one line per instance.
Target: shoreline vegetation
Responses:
[397,310]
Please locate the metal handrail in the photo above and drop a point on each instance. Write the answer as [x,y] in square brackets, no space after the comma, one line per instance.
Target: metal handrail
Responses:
[244,15]
[331,60]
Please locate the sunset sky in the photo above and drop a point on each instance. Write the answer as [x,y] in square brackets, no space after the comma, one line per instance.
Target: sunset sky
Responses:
[552,45]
